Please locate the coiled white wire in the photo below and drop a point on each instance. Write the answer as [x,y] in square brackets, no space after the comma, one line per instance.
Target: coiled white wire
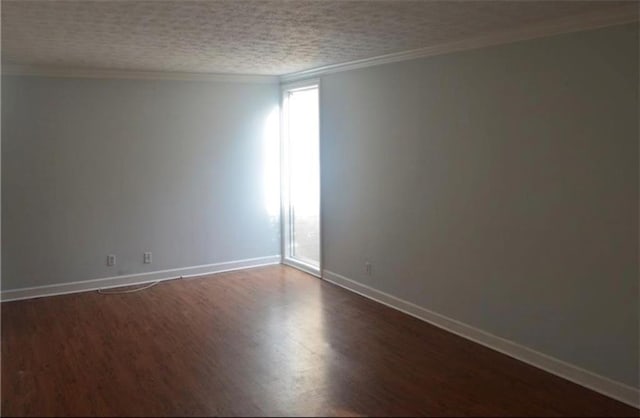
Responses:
[119,292]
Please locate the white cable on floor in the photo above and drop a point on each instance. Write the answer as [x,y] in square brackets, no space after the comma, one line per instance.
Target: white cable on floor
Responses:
[118,292]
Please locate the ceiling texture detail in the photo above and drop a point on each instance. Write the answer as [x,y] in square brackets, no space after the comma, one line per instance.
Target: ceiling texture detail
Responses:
[250,37]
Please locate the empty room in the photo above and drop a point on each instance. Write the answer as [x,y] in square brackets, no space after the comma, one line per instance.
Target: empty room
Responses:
[319,208]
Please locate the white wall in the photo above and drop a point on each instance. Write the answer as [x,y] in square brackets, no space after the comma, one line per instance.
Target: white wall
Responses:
[498,187]
[97,167]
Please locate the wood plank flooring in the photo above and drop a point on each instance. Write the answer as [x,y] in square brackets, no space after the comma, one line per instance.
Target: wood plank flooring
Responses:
[264,341]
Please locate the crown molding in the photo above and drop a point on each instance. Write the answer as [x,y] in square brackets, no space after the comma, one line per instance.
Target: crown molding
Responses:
[626,13]
[67,72]
[619,15]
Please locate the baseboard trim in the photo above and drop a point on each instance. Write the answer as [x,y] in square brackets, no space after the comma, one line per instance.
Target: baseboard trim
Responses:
[134,279]
[603,385]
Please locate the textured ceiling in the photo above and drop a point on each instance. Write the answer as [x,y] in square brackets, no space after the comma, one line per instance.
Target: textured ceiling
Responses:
[250,37]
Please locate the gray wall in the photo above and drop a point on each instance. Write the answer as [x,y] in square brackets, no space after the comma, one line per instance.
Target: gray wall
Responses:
[93,167]
[498,187]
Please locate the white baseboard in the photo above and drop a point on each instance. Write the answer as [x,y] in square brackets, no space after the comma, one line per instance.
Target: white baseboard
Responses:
[134,279]
[593,381]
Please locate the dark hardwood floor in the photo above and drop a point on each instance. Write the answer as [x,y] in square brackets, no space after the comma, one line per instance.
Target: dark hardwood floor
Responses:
[265,341]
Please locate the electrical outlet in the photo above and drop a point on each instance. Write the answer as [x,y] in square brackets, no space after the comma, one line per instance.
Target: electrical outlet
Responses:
[147,258]
[367,268]
[111,260]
